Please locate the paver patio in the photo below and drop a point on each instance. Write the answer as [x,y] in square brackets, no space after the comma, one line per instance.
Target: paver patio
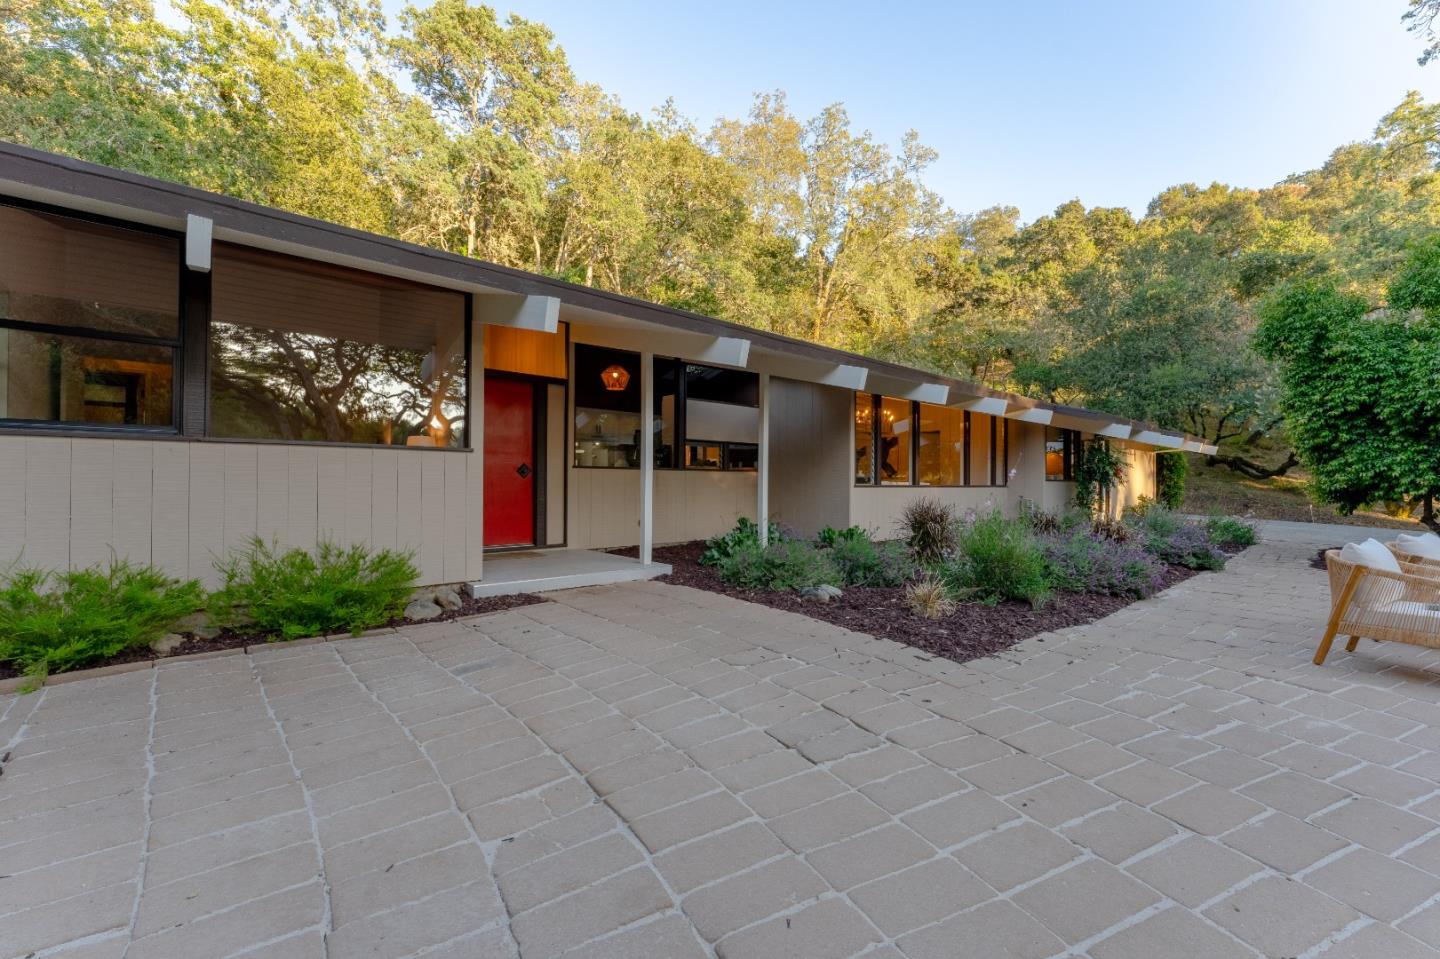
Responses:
[650,771]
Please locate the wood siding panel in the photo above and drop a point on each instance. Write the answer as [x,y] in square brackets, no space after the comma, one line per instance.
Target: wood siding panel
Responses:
[207,509]
[454,525]
[330,496]
[384,473]
[92,479]
[272,492]
[12,498]
[133,493]
[358,498]
[170,508]
[302,498]
[47,503]
[432,518]
[242,496]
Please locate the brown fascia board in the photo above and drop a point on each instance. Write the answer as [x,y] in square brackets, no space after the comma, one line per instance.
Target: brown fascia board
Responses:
[62,180]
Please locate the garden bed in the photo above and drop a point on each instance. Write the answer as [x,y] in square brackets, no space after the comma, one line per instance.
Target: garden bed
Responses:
[230,638]
[973,631]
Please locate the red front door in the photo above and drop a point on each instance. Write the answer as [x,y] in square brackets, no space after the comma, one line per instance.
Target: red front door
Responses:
[509,462]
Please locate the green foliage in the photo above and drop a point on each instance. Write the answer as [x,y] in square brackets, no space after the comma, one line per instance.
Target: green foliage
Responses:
[1167,536]
[1099,468]
[997,558]
[830,536]
[746,533]
[785,564]
[929,528]
[1084,562]
[1229,531]
[863,563]
[1358,387]
[52,622]
[1170,472]
[929,598]
[294,593]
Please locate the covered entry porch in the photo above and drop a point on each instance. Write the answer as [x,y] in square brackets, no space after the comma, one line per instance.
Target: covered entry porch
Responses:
[541,570]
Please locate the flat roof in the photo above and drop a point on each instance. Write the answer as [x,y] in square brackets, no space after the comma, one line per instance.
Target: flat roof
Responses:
[62,181]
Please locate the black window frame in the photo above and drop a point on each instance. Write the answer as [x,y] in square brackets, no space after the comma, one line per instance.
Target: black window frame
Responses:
[1069,449]
[680,369]
[999,450]
[176,344]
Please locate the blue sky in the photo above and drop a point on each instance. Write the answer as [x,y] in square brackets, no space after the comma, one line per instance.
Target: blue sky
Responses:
[1029,104]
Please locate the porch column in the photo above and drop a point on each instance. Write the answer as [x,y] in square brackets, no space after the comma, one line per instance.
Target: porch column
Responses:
[647,455]
[475,428]
[762,463]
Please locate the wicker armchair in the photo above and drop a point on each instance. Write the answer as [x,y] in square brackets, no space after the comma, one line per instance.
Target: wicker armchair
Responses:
[1399,607]
[1413,559]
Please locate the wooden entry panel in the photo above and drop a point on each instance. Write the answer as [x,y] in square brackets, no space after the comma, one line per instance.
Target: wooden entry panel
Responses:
[510,464]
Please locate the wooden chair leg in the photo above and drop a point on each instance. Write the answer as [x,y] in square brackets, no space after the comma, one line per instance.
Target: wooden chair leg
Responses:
[1350,646]
[1324,649]
[1342,602]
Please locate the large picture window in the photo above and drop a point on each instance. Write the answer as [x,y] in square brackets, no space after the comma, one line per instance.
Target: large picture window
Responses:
[607,407]
[1061,447]
[706,417]
[907,443]
[307,351]
[89,322]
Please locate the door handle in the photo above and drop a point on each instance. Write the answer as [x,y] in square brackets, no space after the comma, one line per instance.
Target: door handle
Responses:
[524,470]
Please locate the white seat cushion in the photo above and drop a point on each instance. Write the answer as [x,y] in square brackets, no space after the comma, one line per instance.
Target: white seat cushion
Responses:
[1370,553]
[1425,544]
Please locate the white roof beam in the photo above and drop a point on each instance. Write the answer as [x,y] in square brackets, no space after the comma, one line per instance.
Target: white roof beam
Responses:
[989,405]
[900,389]
[695,347]
[1033,414]
[1117,431]
[522,312]
[841,375]
[199,230]
[1155,438]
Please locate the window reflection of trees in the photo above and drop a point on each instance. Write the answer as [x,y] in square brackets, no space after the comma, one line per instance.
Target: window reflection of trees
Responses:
[298,386]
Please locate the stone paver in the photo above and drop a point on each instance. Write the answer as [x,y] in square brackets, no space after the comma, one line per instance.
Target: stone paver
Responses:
[647,770]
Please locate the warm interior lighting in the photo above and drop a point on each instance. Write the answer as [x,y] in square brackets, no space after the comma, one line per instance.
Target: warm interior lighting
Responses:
[615,377]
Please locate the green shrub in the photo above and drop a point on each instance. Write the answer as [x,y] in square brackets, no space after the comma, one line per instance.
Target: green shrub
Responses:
[1082,561]
[51,622]
[863,563]
[1170,472]
[998,558]
[295,593]
[1167,536]
[1154,521]
[929,528]
[785,564]
[1229,531]
[830,537]
[746,533]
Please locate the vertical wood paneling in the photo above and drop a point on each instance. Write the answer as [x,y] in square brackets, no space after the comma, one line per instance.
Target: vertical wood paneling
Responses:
[272,488]
[170,508]
[47,503]
[92,479]
[474,516]
[407,505]
[454,525]
[207,508]
[131,525]
[330,496]
[12,498]
[302,498]
[384,475]
[432,517]
[241,496]
[357,496]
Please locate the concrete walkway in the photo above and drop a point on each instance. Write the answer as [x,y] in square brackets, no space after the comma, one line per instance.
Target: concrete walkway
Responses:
[648,771]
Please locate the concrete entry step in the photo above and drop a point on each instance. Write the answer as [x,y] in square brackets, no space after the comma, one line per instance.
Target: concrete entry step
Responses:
[541,570]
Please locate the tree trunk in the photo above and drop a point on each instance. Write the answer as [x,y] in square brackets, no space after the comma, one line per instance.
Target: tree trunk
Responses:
[1427,513]
[1252,469]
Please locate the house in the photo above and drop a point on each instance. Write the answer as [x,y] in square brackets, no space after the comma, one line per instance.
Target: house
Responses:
[181,371]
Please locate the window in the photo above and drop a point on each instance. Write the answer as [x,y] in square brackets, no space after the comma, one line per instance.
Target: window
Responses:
[894,441]
[982,450]
[89,322]
[1060,449]
[706,417]
[668,374]
[941,455]
[864,439]
[307,351]
[607,408]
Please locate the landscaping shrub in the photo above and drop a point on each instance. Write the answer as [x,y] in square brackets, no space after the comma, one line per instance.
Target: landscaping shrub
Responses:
[998,558]
[785,564]
[861,562]
[1229,531]
[1155,521]
[829,537]
[51,622]
[1170,472]
[746,533]
[1189,546]
[929,598]
[295,593]
[1084,562]
[929,527]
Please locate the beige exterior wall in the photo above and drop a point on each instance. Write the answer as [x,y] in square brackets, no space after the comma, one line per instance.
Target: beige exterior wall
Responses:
[811,455]
[181,505]
[689,505]
[878,508]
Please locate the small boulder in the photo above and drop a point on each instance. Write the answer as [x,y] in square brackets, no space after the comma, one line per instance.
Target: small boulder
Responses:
[200,624]
[822,593]
[167,644]
[422,609]
[447,597]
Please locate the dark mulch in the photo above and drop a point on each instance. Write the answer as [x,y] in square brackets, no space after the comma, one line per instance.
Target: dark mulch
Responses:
[237,639]
[971,632]
[1318,560]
